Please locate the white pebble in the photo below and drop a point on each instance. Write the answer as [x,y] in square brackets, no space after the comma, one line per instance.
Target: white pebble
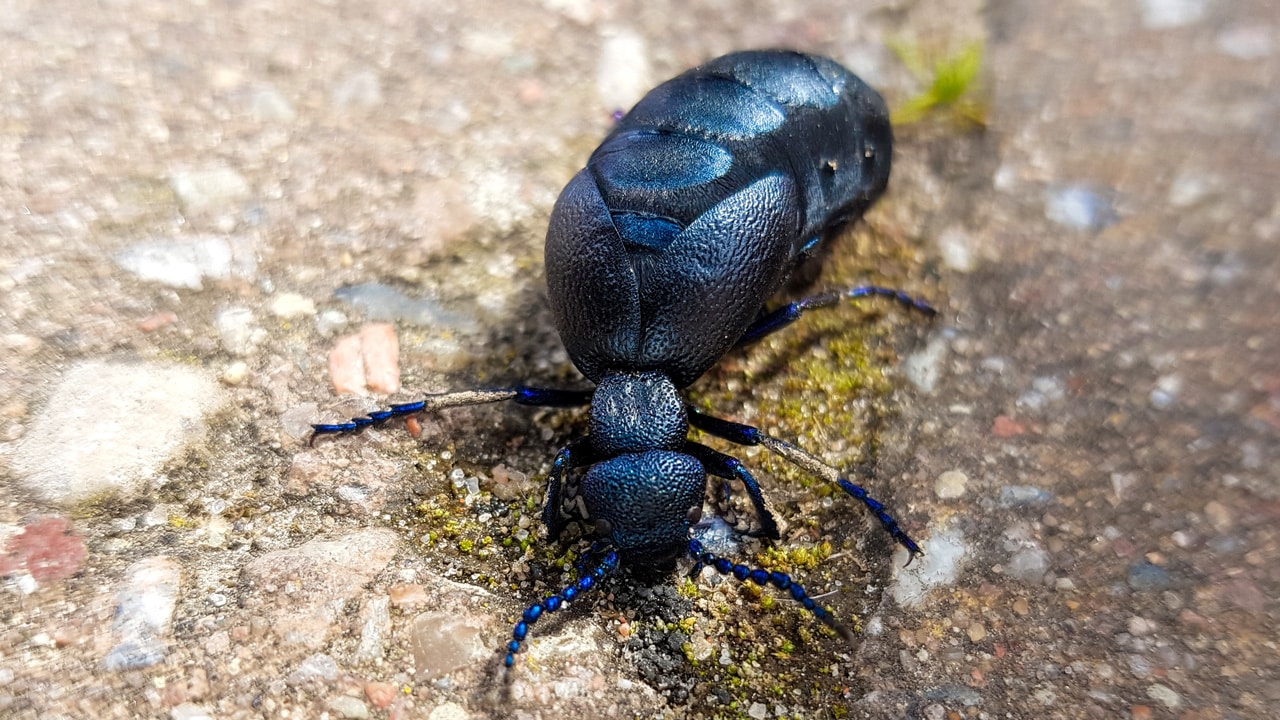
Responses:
[292,305]
[1166,14]
[944,553]
[208,188]
[951,484]
[623,76]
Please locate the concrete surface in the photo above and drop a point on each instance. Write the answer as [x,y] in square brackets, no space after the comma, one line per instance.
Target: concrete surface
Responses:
[1086,442]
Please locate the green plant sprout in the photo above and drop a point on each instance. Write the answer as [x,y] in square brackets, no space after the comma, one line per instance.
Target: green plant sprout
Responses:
[949,85]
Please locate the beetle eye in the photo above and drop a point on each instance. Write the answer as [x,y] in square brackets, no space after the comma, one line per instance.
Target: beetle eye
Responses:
[694,514]
[604,528]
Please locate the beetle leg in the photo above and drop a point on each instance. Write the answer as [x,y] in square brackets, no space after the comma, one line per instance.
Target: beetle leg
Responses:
[574,455]
[728,467]
[748,435]
[774,321]
[522,395]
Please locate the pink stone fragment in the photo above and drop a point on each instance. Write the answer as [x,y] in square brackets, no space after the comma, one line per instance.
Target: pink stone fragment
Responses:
[366,361]
[380,348]
[346,366]
[46,549]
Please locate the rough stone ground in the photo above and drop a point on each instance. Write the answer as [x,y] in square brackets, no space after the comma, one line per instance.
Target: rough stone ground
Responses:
[202,200]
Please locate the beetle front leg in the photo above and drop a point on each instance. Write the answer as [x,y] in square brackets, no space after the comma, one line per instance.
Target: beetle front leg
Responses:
[574,455]
[730,468]
[748,435]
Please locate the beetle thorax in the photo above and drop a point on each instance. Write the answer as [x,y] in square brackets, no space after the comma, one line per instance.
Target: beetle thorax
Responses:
[637,411]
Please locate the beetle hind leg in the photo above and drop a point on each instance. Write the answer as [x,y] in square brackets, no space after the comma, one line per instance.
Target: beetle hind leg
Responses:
[771,322]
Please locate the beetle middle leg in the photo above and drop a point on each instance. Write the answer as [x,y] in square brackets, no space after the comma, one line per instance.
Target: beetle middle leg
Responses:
[774,321]
[730,468]
[748,435]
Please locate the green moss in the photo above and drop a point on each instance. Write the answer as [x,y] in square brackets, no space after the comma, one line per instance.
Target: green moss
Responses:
[949,85]
[686,588]
[687,649]
[791,559]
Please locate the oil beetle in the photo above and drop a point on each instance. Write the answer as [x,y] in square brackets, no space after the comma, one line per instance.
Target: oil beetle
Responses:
[660,256]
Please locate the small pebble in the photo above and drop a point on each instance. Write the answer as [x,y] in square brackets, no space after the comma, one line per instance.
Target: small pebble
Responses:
[1023,496]
[1122,482]
[1189,188]
[190,711]
[945,551]
[923,369]
[318,667]
[209,188]
[374,630]
[1246,42]
[445,641]
[951,484]
[1078,207]
[238,330]
[188,262]
[1167,14]
[292,305]
[380,693]
[1165,695]
[384,303]
[348,707]
[1006,427]
[380,349]
[346,366]
[623,74]
[144,611]
[46,550]
[1140,626]
[157,321]
[1219,516]
[330,322]
[448,711]
[1028,565]
[406,596]
[955,246]
[1166,392]
[235,373]
[1145,576]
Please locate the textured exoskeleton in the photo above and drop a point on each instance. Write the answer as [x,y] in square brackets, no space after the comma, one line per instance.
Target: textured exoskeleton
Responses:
[660,256]
[693,211]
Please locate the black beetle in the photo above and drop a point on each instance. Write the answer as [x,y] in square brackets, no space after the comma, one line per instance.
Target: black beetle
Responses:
[660,256]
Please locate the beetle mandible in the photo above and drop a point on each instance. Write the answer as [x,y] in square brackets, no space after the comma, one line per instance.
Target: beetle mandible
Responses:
[660,256]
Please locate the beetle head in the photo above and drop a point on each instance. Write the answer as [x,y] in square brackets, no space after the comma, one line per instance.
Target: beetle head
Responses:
[645,503]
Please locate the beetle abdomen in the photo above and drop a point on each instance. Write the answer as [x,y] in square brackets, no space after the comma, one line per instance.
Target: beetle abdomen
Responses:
[692,211]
